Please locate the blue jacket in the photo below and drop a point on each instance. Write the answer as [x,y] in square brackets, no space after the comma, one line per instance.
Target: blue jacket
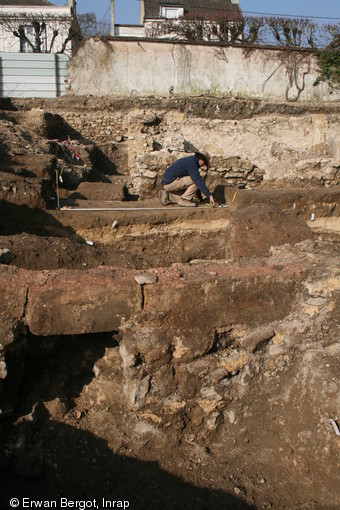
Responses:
[184,167]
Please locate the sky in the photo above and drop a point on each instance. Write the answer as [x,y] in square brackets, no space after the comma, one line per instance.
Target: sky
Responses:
[127,11]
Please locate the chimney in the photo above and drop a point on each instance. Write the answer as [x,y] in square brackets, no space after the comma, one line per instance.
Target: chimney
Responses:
[112,30]
[72,4]
[141,12]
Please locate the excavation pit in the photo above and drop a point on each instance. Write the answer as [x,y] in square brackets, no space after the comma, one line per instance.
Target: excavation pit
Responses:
[153,354]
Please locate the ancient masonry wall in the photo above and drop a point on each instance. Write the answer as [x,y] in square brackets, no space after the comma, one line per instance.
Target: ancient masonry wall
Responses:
[245,152]
[99,126]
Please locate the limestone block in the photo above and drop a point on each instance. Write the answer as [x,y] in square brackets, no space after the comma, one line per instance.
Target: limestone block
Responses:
[136,388]
[190,344]
[147,345]
[258,339]
[146,278]
[3,368]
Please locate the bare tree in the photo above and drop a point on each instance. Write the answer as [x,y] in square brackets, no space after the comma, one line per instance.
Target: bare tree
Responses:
[333,36]
[293,32]
[90,26]
[275,31]
[254,30]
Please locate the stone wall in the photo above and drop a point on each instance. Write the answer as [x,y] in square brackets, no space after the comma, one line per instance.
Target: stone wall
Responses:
[124,68]
[251,143]
[244,152]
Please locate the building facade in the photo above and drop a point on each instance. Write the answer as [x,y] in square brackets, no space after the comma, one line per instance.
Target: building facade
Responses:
[174,9]
[36,26]
[158,18]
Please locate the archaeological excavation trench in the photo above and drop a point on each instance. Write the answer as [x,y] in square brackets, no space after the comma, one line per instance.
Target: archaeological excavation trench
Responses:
[161,356]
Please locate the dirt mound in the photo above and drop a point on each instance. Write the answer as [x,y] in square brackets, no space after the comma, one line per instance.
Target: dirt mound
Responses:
[252,231]
[35,252]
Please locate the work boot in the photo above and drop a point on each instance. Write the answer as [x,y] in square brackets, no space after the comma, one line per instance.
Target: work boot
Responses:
[164,197]
[186,203]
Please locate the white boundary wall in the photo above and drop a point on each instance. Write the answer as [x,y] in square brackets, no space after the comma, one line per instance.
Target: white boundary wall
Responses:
[152,68]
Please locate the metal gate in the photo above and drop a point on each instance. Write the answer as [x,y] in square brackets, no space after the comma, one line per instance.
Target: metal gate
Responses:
[32,74]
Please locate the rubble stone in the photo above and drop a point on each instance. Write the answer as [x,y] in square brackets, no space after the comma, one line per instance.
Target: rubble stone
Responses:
[6,256]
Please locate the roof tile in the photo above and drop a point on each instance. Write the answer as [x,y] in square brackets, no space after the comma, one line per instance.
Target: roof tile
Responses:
[207,9]
[25,3]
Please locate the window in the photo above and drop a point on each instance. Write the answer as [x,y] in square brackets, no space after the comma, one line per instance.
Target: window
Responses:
[171,12]
[30,34]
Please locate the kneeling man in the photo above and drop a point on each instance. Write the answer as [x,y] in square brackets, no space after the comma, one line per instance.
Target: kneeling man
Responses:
[184,176]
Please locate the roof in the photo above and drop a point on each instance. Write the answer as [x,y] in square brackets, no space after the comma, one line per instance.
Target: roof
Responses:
[206,9]
[25,3]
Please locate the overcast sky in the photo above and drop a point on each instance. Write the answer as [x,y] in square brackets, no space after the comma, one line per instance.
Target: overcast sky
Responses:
[127,11]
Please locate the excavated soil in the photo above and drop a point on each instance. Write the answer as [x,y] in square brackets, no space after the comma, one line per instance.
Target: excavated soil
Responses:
[157,356]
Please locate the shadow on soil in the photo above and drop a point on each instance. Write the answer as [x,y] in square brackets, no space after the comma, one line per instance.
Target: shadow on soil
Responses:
[79,466]
[15,219]
[50,460]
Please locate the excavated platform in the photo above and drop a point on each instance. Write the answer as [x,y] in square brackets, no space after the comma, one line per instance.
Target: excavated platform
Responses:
[318,207]
[86,233]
